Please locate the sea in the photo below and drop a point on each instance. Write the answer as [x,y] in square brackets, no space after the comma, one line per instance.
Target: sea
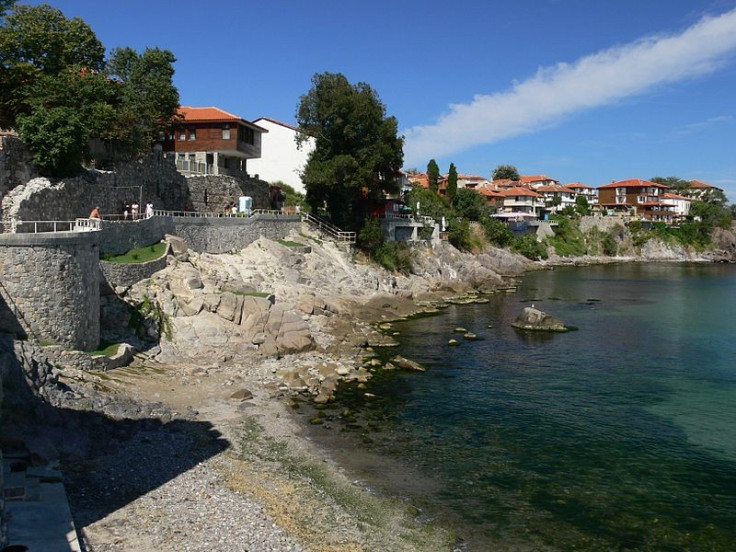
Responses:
[619,435]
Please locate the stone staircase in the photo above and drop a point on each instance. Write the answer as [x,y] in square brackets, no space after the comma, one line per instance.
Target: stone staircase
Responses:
[37,512]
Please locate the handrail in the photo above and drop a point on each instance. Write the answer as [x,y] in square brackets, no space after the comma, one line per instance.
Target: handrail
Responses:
[50,226]
[330,229]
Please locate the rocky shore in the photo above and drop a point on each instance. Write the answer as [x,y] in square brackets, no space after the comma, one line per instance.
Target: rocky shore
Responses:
[194,445]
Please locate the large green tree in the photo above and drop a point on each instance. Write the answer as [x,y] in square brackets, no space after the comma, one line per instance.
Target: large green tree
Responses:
[148,98]
[59,93]
[674,182]
[36,42]
[357,150]
[452,181]
[503,172]
[433,174]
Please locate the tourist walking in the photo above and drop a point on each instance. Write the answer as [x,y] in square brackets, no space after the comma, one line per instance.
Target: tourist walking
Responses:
[95,213]
[134,211]
[149,210]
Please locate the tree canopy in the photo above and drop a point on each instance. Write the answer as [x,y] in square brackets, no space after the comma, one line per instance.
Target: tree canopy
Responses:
[503,172]
[433,174]
[674,182]
[452,181]
[357,151]
[59,92]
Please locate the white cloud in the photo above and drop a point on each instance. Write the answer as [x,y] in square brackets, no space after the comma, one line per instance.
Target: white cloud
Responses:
[703,125]
[559,91]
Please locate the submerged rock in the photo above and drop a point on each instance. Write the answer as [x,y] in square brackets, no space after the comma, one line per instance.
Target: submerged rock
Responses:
[536,320]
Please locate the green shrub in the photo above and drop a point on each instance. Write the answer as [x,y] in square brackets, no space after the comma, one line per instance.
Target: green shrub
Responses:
[609,245]
[528,246]
[394,256]
[497,232]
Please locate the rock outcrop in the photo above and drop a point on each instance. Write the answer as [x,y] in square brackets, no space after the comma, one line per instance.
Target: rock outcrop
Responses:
[532,319]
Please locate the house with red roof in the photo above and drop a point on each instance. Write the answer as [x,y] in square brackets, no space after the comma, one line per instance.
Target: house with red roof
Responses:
[210,140]
[281,159]
[680,203]
[635,196]
[588,192]
[699,190]
[537,180]
[556,197]
[522,200]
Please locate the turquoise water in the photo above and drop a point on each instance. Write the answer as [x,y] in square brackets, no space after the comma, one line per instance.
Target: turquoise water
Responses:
[618,436]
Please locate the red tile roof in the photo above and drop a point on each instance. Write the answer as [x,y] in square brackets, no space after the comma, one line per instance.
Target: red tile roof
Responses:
[699,184]
[578,186]
[535,178]
[207,114]
[519,192]
[553,188]
[633,183]
[674,196]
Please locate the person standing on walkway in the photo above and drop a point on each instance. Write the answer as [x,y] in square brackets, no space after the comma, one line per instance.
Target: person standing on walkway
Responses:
[149,210]
[95,213]
[134,211]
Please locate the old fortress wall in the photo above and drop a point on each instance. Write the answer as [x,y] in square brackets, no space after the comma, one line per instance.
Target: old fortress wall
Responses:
[50,282]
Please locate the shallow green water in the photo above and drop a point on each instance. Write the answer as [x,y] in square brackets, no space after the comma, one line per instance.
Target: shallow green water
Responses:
[618,436]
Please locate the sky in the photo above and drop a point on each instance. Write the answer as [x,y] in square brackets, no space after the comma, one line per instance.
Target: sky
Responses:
[578,90]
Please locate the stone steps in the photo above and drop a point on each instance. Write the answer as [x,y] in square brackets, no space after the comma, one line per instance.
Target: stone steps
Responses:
[36,507]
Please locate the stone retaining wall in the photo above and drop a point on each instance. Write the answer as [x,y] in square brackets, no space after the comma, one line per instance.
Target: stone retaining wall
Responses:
[153,179]
[223,235]
[120,236]
[604,224]
[210,194]
[50,287]
[127,274]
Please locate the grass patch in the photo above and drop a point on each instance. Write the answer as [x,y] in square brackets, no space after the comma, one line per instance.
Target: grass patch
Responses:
[289,243]
[139,255]
[262,294]
[105,349]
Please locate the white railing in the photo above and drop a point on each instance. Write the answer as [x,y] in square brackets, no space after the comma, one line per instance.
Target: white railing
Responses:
[330,229]
[50,226]
[197,214]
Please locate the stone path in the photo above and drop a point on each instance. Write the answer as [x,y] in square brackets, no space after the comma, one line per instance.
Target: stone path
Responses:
[36,506]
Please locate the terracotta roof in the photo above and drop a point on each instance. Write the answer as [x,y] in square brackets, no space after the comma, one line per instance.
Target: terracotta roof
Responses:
[674,196]
[553,188]
[519,192]
[504,183]
[525,179]
[488,192]
[633,183]
[469,177]
[699,184]
[578,185]
[208,114]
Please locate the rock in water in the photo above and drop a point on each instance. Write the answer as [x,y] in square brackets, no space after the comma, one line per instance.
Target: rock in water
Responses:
[537,320]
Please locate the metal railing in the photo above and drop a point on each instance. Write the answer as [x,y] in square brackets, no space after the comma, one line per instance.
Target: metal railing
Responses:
[330,229]
[50,226]
[211,214]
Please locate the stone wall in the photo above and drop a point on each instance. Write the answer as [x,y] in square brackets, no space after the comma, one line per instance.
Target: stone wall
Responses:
[127,274]
[222,235]
[50,289]
[120,236]
[15,163]
[210,194]
[604,224]
[153,179]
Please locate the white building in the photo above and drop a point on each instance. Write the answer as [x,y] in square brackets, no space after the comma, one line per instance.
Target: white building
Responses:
[280,158]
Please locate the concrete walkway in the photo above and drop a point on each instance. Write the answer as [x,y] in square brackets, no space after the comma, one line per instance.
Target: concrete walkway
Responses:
[36,506]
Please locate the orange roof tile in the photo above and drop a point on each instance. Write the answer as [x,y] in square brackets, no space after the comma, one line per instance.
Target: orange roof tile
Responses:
[578,186]
[526,179]
[519,192]
[207,114]
[633,183]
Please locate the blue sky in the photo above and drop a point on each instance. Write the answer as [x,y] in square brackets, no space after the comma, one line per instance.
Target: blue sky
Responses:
[579,90]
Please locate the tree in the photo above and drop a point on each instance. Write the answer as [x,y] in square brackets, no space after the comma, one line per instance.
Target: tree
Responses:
[469,204]
[582,206]
[504,172]
[149,99]
[433,174]
[56,136]
[674,182]
[452,181]
[357,150]
[38,41]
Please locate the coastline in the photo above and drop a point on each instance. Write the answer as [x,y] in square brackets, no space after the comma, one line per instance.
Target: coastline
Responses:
[271,479]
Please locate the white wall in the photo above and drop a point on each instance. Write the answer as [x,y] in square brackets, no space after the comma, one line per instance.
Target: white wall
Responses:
[280,159]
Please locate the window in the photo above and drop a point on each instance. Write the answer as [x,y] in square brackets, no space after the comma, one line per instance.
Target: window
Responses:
[182,135]
[226,132]
[192,134]
[246,135]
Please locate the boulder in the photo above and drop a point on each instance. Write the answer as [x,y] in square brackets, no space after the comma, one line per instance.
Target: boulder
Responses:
[536,320]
